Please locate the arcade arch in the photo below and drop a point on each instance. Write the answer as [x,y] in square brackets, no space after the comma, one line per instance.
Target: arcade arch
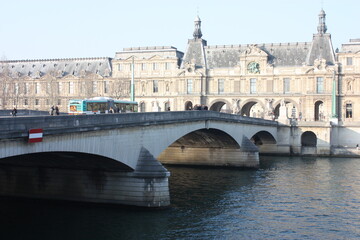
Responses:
[319,111]
[188,105]
[253,108]
[292,108]
[220,106]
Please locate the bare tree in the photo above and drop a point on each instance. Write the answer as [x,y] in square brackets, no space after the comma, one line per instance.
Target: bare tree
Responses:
[52,90]
[5,80]
[121,89]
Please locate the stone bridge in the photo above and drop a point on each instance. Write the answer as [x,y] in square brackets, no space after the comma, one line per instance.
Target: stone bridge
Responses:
[117,158]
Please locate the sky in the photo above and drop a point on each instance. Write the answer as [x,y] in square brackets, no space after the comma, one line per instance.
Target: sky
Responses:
[48,29]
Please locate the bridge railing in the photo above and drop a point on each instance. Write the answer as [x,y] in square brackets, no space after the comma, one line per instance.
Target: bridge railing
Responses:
[17,127]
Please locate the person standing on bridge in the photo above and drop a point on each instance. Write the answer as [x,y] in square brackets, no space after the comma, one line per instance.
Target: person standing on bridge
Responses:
[14,112]
[52,110]
[57,110]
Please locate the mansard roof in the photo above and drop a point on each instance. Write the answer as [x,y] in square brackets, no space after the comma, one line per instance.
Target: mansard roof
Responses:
[57,67]
[353,46]
[279,54]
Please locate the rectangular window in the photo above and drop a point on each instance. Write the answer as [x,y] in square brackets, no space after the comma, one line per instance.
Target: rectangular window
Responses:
[48,88]
[26,101]
[167,66]
[48,102]
[120,68]
[286,85]
[59,101]
[71,87]
[155,86]
[220,86]
[106,86]
[189,86]
[319,85]
[348,113]
[37,88]
[94,86]
[16,88]
[60,87]
[37,102]
[26,88]
[252,85]
[143,66]
[155,66]
[349,61]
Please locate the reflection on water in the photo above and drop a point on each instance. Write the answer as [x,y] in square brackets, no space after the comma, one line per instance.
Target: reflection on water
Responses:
[287,198]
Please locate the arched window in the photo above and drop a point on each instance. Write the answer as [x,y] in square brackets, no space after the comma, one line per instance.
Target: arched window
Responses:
[142,107]
[167,106]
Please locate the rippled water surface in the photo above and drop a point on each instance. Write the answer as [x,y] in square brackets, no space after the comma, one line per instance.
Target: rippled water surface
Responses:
[287,198]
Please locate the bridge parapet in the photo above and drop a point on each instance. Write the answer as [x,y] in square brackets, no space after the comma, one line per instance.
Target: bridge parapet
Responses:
[11,128]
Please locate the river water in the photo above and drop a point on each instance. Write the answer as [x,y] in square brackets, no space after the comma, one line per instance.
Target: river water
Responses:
[287,198]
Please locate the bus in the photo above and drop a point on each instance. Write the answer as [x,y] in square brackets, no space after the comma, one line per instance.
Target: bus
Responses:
[99,105]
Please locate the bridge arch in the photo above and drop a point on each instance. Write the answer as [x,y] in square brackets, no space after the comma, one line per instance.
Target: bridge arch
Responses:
[263,137]
[202,147]
[265,142]
[220,105]
[308,139]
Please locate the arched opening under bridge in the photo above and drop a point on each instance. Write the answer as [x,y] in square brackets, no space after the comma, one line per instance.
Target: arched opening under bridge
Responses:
[265,141]
[308,143]
[210,147]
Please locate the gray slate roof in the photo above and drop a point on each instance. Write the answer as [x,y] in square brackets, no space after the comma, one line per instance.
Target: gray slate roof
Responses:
[280,54]
[58,67]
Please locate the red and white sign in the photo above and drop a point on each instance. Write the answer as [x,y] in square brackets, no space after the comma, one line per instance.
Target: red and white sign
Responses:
[35,135]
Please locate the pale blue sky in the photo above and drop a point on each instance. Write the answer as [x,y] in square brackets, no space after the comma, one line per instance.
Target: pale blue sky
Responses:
[46,29]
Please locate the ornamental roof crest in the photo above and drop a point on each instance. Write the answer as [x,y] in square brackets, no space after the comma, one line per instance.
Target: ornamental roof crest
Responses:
[254,50]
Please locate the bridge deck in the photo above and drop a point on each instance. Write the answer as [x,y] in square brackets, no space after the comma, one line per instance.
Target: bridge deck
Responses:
[17,127]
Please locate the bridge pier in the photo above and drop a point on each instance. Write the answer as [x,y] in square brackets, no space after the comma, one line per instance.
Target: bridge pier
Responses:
[83,186]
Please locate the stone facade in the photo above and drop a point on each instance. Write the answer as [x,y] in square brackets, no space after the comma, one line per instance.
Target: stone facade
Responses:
[308,80]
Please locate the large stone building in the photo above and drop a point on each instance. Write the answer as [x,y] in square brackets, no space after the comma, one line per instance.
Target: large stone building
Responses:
[309,78]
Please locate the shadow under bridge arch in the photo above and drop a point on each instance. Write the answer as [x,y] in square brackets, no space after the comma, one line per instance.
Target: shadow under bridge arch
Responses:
[207,147]
[265,142]
[66,160]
